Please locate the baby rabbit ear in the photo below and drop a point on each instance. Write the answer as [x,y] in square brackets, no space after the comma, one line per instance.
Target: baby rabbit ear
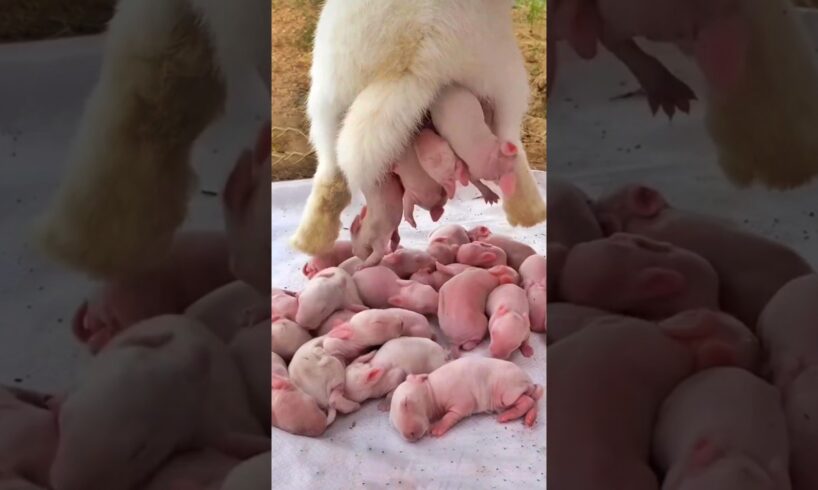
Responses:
[374,375]
[342,331]
[645,201]
[280,383]
[397,301]
[488,257]
[355,227]
[704,453]
[659,282]
[481,232]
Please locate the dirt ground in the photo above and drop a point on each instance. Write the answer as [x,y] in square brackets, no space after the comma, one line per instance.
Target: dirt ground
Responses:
[293,27]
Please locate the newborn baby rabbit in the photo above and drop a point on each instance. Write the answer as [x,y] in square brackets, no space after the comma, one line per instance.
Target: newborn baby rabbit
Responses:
[635,275]
[292,409]
[321,376]
[374,229]
[377,373]
[458,116]
[722,429]
[437,401]
[509,323]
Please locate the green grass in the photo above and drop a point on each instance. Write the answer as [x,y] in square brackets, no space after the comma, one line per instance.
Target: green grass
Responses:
[535,10]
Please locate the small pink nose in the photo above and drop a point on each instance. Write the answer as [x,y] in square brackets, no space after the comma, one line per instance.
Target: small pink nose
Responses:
[510,149]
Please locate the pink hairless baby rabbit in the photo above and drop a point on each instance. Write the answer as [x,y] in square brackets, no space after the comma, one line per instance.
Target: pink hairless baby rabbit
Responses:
[197,263]
[434,278]
[509,324]
[406,261]
[462,309]
[606,385]
[366,329]
[373,230]
[28,434]
[443,273]
[341,251]
[328,291]
[143,388]
[722,429]
[286,337]
[377,373]
[439,161]
[437,158]
[283,304]
[481,254]
[419,188]
[787,328]
[414,324]
[334,320]
[571,218]
[515,251]
[459,118]
[293,410]
[455,268]
[381,288]
[351,265]
[444,242]
[635,275]
[506,274]
[437,401]
[321,376]
[451,234]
